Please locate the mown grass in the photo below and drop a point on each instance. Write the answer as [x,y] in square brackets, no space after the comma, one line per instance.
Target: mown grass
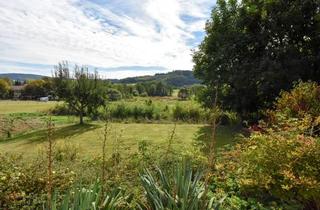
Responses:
[9,106]
[29,135]
[88,137]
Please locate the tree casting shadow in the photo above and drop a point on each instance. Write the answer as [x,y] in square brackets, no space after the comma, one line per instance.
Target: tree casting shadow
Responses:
[58,133]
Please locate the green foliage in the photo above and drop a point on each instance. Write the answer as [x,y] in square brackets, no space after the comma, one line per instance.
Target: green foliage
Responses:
[187,111]
[84,92]
[282,165]
[23,184]
[255,49]
[114,94]
[183,93]
[90,198]
[36,89]
[181,190]
[154,88]
[297,110]
[4,88]
[193,114]
[62,109]
[303,99]
[281,161]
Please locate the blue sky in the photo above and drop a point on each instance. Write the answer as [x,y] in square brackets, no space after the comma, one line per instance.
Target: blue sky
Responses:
[122,38]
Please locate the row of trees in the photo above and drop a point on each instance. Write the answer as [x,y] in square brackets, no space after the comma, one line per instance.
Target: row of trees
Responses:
[29,90]
[85,92]
[35,89]
[153,89]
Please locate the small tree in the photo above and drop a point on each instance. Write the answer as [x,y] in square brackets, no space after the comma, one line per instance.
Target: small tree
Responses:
[83,92]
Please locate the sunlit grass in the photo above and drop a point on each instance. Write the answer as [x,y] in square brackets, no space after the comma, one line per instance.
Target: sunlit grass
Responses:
[88,137]
[9,106]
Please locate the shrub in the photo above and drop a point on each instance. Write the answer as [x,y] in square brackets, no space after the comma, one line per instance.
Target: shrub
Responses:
[297,110]
[179,113]
[62,109]
[114,94]
[303,99]
[120,111]
[190,113]
[23,184]
[282,165]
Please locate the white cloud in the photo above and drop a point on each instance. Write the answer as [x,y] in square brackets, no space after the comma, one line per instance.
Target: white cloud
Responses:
[109,34]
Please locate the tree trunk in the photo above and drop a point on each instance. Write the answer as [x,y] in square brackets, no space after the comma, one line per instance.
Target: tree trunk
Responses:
[81,118]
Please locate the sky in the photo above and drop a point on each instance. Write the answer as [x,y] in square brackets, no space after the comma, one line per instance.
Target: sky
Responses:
[121,38]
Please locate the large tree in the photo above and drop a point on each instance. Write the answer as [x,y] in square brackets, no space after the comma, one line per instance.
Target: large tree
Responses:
[82,91]
[255,48]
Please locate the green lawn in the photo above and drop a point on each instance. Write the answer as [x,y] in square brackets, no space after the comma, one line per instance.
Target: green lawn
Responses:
[8,106]
[29,133]
[88,137]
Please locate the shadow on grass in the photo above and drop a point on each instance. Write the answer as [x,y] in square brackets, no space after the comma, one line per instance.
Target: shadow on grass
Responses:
[59,133]
[225,135]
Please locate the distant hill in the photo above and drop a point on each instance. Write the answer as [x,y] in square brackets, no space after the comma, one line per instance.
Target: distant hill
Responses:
[177,78]
[21,77]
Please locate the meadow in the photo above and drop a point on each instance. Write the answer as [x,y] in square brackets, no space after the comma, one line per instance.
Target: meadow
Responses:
[29,129]
[132,143]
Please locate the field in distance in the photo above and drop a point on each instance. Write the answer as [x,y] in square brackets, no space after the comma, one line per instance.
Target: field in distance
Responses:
[9,106]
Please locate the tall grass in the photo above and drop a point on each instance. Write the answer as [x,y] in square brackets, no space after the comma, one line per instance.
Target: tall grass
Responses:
[50,160]
[149,110]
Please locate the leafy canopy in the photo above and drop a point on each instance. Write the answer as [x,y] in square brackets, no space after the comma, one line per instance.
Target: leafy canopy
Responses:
[256,48]
[83,92]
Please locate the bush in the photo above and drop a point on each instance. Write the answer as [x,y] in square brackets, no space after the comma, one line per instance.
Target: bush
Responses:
[114,94]
[62,109]
[123,111]
[120,111]
[303,99]
[278,165]
[23,184]
[192,114]
[298,110]
[283,165]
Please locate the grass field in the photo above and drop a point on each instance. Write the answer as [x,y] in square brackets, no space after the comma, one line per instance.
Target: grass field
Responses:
[30,135]
[88,137]
[8,106]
